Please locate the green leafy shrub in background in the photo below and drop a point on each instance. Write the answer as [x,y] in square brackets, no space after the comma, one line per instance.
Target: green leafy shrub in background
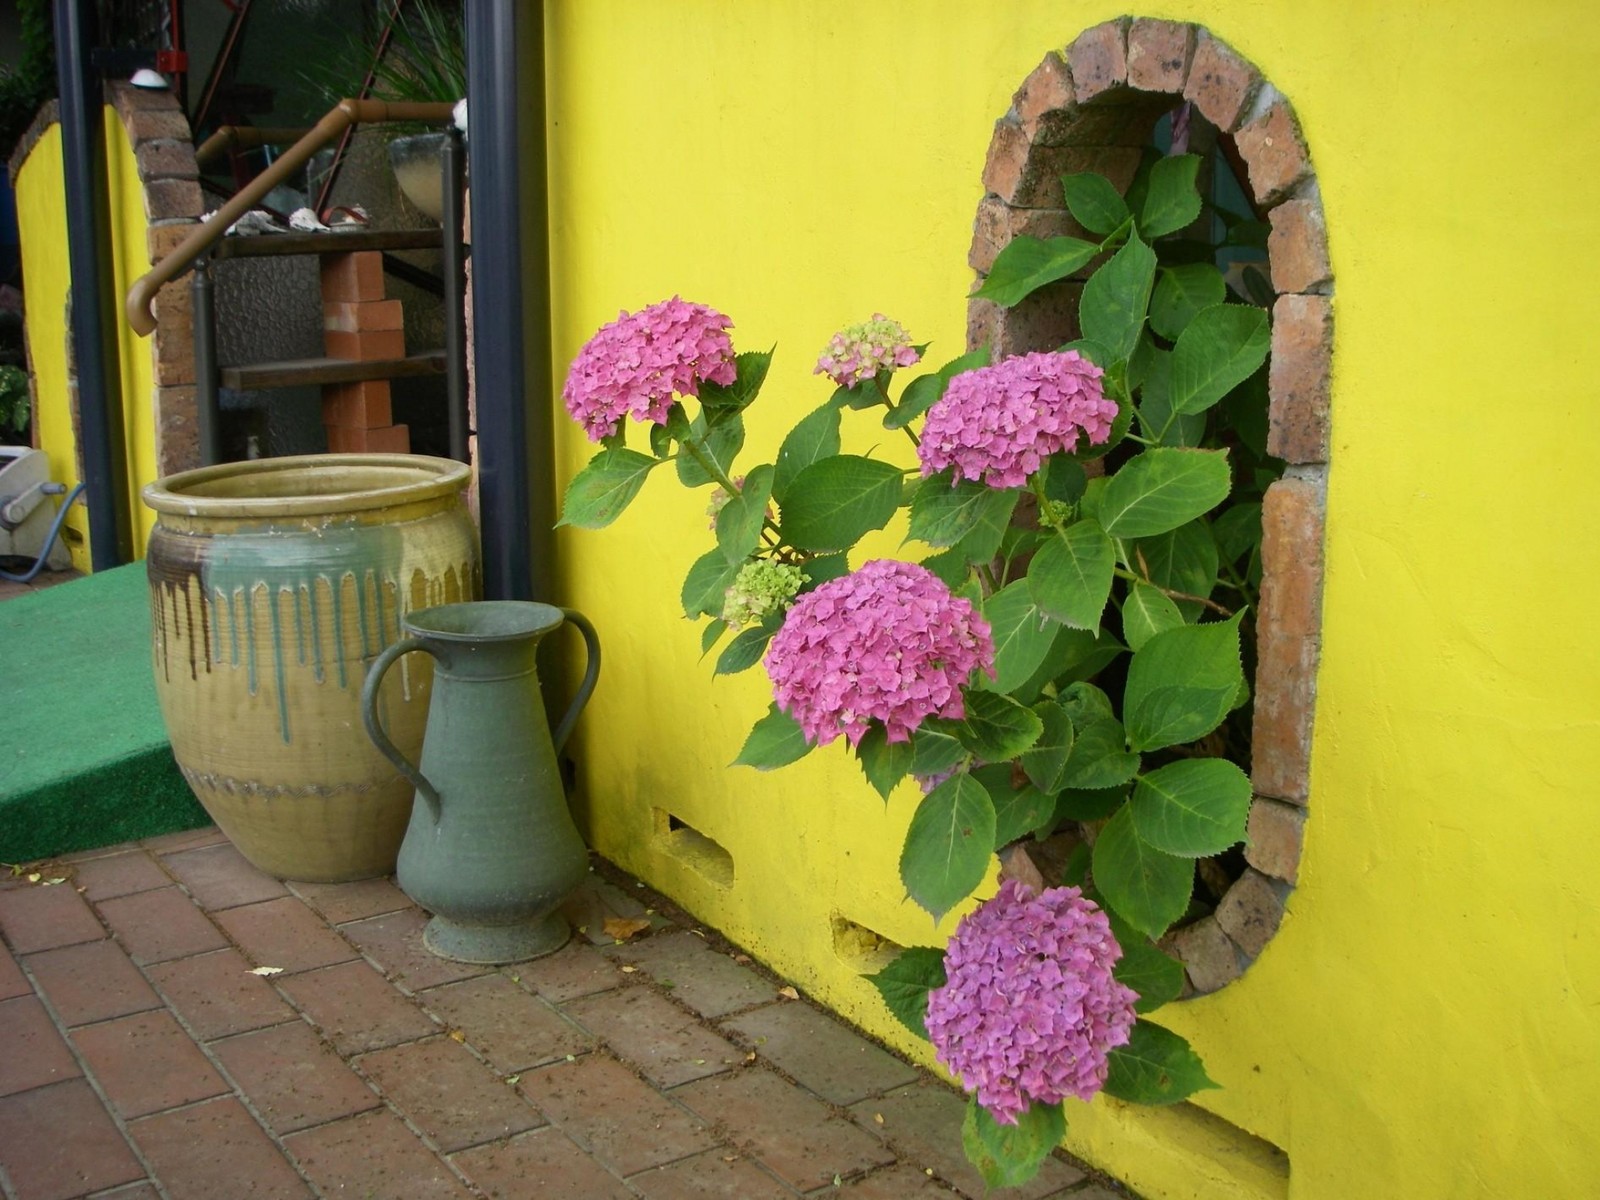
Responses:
[14,406]
[32,81]
[1097,620]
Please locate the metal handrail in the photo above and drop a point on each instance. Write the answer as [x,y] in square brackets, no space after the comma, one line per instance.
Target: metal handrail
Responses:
[244,137]
[141,296]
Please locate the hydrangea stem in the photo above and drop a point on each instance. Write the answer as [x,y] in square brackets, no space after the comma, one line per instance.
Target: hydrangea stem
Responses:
[711,468]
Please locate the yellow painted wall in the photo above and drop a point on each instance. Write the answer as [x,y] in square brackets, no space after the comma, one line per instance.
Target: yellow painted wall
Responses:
[1427,1022]
[42,222]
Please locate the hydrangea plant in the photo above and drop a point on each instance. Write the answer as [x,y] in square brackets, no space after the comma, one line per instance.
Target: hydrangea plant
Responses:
[1065,658]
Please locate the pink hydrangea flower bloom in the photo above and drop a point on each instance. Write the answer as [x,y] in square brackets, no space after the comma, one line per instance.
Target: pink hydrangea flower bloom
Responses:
[997,424]
[1029,1008]
[886,643]
[641,362]
[858,352]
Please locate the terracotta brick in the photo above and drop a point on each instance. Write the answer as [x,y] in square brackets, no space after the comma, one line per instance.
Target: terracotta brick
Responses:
[1221,83]
[1285,701]
[284,933]
[162,240]
[1252,910]
[365,347]
[1292,522]
[165,198]
[359,316]
[292,1079]
[220,877]
[575,970]
[1098,59]
[147,1064]
[614,1115]
[216,995]
[373,1155]
[184,839]
[714,1173]
[513,1030]
[820,1052]
[901,1182]
[997,224]
[394,942]
[42,918]
[59,1142]
[357,276]
[1033,180]
[1274,838]
[1045,93]
[447,1093]
[389,439]
[1207,954]
[13,982]
[651,1033]
[92,981]
[357,1008]
[923,1122]
[709,982]
[177,430]
[118,875]
[799,1138]
[364,405]
[34,1054]
[341,902]
[1275,153]
[1044,321]
[1159,54]
[172,344]
[159,925]
[166,160]
[1007,159]
[1299,378]
[544,1162]
[1298,247]
[128,99]
[215,1149]
[147,125]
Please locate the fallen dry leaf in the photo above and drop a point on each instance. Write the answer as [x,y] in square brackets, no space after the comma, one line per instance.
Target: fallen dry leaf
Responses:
[741,959]
[33,877]
[878,1117]
[789,993]
[629,970]
[751,1057]
[53,882]
[266,970]
[512,1079]
[623,928]
[457,1036]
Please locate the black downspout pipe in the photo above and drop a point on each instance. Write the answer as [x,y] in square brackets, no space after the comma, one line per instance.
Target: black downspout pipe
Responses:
[511,298]
[94,306]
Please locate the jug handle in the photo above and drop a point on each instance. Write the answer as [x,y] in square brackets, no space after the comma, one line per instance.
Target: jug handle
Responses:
[591,675]
[369,718]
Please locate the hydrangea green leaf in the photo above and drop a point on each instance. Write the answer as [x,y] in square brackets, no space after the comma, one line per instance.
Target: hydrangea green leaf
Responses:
[1026,264]
[1070,577]
[949,845]
[1155,1067]
[1181,292]
[740,519]
[884,763]
[1157,977]
[934,751]
[833,502]
[1182,560]
[1170,199]
[1022,636]
[905,983]
[996,728]
[1094,203]
[775,741]
[1100,757]
[1046,761]
[752,373]
[1112,309]
[1163,488]
[711,634]
[1010,1155]
[1147,887]
[1018,811]
[942,515]
[720,440]
[923,392]
[1192,807]
[1181,684]
[607,485]
[1219,349]
[1088,804]
[745,651]
[816,437]
[1147,611]
[708,580]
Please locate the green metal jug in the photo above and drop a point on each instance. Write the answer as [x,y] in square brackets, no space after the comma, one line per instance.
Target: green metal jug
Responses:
[491,850]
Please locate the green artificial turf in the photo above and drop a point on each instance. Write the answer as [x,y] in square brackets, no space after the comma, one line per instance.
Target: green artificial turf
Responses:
[84,759]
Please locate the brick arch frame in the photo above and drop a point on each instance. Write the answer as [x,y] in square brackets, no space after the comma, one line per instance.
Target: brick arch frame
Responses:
[1093,108]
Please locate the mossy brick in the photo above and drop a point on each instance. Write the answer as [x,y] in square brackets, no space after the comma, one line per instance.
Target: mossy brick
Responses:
[1098,59]
[1158,54]
[1221,84]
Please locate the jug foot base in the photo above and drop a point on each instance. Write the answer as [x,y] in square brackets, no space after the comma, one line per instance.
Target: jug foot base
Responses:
[494,944]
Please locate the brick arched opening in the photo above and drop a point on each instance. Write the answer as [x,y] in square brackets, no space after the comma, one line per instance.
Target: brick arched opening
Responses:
[1093,107]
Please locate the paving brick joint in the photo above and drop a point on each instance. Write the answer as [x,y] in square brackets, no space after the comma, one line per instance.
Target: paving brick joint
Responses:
[175,1024]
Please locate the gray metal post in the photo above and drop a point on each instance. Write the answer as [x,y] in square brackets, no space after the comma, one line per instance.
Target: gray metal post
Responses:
[207,415]
[455,283]
[94,304]
[511,299]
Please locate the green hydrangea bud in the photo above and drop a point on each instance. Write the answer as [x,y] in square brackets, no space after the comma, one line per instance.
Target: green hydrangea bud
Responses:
[761,588]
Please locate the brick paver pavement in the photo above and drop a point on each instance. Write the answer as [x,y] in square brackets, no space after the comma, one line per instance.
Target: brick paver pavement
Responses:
[142,1056]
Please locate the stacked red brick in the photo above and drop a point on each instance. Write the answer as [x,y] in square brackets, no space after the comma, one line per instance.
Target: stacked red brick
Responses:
[359,323]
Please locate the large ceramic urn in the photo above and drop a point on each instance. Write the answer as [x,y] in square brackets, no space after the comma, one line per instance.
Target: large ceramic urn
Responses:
[274,584]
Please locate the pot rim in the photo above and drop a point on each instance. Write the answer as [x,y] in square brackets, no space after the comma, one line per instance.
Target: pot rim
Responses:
[435,477]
